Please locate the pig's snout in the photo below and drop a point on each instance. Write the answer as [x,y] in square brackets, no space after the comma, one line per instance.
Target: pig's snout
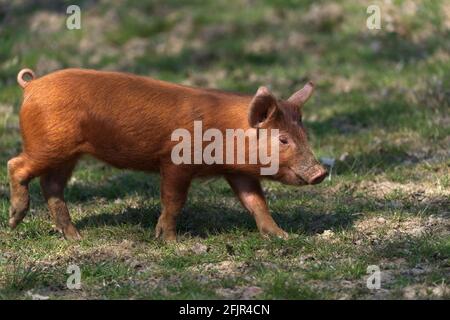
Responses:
[316,174]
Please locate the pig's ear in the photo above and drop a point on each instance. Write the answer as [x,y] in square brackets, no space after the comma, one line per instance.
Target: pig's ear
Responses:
[301,96]
[262,107]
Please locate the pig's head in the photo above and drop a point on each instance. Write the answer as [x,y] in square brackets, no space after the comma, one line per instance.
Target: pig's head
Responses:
[297,163]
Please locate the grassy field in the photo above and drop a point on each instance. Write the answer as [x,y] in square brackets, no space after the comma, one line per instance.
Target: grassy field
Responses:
[381,109]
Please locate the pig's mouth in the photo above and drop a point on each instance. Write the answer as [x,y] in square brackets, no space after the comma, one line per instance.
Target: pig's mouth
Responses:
[290,176]
[301,180]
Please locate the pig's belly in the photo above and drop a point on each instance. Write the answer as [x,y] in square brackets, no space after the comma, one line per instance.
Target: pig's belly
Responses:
[127,153]
[129,160]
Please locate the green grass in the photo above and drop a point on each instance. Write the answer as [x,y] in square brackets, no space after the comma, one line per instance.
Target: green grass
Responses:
[381,109]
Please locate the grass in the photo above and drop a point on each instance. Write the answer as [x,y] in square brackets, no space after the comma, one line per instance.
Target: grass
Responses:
[381,109]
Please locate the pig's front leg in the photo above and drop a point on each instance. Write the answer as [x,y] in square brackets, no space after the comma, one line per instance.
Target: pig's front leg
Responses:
[175,183]
[251,195]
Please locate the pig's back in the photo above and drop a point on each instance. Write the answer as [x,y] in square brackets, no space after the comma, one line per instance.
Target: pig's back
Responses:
[122,118]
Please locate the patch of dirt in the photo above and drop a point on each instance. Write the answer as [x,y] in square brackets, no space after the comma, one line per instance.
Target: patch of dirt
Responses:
[240,292]
[36,296]
[381,228]
[6,109]
[389,264]
[124,251]
[382,188]
[446,14]
[341,288]
[345,85]
[46,22]
[391,270]
[208,78]
[422,291]
[328,235]
[324,16]
[59,292]
[270,44]
[223,269]
[196,248]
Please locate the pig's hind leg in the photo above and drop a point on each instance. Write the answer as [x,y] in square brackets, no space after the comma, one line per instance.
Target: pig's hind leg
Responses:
[20,171]
[53,182]
[251,195]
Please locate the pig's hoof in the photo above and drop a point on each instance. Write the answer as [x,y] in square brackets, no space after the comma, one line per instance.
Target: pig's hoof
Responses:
[170,238]
[16,217]
[283,235]
[12,223]
[71,233]
[275,232]
[165,235]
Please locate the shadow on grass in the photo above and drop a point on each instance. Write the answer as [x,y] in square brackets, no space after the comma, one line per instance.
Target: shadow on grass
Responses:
[202,218]
[394,47]
[374,161]
[115,187]
[368,113]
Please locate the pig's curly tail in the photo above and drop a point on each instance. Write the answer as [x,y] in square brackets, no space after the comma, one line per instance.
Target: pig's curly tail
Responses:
[25,72]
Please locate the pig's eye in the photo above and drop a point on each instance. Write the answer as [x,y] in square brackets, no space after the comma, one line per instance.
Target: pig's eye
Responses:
[284,140]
